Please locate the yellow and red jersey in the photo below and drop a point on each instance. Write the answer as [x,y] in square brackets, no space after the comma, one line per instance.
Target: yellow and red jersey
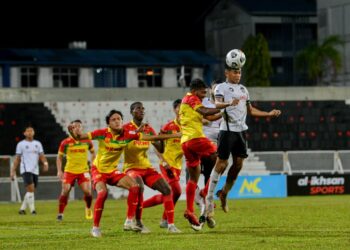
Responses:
[190,119]
[135,154]
[172,150]
[76,153]
[110,147]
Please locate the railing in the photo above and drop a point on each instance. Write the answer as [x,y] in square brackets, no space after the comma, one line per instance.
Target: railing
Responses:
[277,162]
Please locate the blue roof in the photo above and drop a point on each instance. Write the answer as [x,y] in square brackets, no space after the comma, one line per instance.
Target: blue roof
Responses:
[278,7]
[105,57]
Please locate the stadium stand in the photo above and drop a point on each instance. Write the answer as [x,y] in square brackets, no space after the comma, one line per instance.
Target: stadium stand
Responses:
[310,136]
[15,116]
[304,125]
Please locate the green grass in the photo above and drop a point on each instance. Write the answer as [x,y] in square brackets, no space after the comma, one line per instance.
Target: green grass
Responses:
[321,222]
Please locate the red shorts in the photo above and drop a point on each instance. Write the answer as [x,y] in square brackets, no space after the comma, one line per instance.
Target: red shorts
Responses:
[110,178]
[170,175]
[197,148]
[70,178]
[148,175]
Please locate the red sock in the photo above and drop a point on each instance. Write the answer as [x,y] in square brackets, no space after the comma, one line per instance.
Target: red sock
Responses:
[63,200]
[98,208]
[204,191]
[176,189]
[132,201]
[88,200]
[190,193]
[139,207]
[164,216]
[169,207]
[153,201]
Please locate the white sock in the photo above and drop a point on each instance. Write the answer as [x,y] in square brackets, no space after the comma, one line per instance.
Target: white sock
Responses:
[169,225]
[128,221]
[214,177]
[24,202]
[30,199]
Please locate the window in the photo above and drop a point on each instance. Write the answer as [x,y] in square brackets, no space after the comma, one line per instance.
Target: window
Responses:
[188,76]
[29,77]
[110,77]
[65,77]
[150,77]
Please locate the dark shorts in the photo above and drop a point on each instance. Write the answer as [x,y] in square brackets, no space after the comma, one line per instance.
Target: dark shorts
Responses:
[232,143]
[30,178]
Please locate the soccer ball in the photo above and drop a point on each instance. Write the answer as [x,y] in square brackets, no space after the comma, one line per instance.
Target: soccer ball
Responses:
[235,59]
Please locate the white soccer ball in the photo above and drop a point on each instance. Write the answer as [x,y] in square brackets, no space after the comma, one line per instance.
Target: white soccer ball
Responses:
[235,59]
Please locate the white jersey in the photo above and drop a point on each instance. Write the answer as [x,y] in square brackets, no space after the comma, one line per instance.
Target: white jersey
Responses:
[212,129]
[29,152]
[234,116]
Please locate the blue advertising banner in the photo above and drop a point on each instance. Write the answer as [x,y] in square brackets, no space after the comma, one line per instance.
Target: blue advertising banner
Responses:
[264,186]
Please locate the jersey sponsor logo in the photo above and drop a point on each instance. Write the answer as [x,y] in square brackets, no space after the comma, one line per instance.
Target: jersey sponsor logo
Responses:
[81,150]
[112,149]
[250,187]
[141,143]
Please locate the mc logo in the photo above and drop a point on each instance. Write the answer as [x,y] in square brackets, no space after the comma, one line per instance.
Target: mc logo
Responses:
[251,187]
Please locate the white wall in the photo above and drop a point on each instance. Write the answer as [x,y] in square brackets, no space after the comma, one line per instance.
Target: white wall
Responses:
[169,78]
[197,73]
[86,78]
[14,77]
[45,79]
[131,78]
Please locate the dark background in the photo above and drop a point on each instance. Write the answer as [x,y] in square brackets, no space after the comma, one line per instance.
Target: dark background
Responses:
[105,24]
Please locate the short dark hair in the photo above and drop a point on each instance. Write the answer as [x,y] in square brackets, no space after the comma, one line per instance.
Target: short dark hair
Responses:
[27,126]
[112,112]
[197,84]
[232,68]
[77,120]
[132,106]
[176,103]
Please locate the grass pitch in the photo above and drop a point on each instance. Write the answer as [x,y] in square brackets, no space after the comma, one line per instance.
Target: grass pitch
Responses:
[321,222]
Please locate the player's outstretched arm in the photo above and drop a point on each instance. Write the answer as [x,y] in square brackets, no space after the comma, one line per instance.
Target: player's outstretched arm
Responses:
[259,113]
[160,137]
[211,118]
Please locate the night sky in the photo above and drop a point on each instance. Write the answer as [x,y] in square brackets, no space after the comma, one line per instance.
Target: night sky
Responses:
[130,25]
